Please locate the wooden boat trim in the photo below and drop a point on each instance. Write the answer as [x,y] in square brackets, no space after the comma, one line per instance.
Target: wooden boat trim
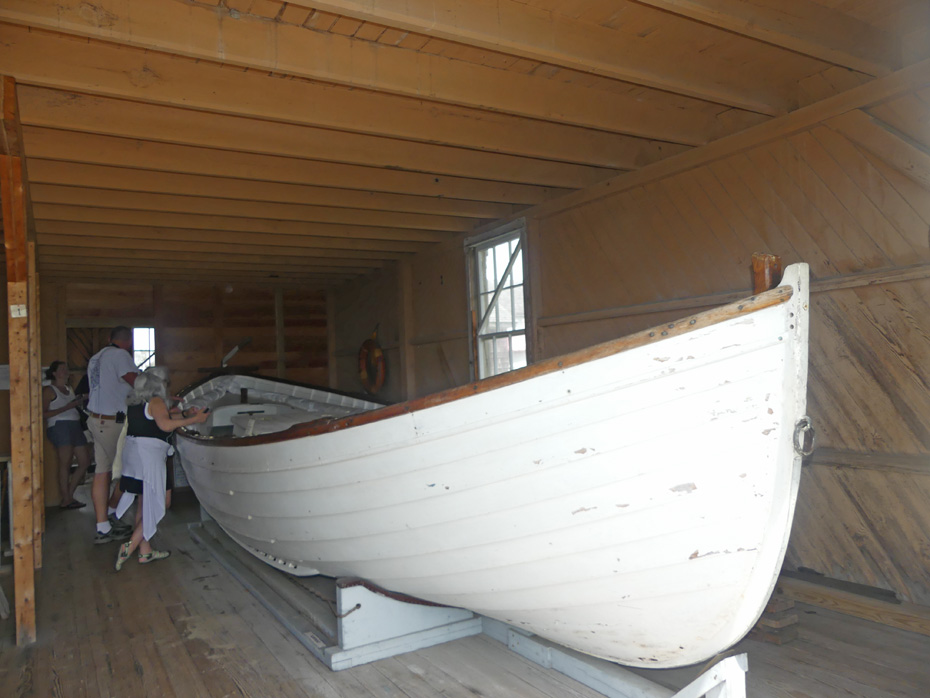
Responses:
[349,582]
[707,318]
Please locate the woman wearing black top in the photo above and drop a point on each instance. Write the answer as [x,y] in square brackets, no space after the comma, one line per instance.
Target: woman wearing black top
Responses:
[144,453]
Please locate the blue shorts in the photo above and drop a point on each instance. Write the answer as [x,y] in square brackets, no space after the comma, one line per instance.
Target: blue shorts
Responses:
[66,433]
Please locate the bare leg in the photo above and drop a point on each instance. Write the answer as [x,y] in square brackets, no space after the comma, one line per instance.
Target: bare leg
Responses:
[65,454]
[100,492]
[83,459]
[137,541]
[115,497]
[144,546]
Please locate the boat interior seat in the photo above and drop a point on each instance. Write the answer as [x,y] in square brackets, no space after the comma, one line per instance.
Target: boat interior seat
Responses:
[253,424]
[254,419]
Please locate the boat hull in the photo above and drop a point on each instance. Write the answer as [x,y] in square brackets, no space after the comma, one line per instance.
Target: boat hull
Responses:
[634,507]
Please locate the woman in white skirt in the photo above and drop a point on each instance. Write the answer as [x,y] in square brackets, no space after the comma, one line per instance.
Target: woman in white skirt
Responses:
[145,451]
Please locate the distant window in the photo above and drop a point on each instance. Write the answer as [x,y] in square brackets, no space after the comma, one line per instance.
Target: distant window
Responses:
[143,347]
[496,267]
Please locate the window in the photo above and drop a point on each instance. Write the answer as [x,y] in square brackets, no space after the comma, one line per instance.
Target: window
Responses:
[499,316]
[143,347]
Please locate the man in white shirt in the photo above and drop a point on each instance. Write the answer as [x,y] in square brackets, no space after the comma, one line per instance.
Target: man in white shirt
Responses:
[111,374]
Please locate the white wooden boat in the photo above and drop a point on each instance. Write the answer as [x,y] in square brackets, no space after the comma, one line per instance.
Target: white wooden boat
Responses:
[632,501]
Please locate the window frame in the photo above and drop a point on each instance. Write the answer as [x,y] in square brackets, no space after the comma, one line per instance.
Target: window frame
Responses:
[149,351]
[473,245]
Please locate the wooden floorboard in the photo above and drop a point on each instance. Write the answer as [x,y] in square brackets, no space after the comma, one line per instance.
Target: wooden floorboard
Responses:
[184,628]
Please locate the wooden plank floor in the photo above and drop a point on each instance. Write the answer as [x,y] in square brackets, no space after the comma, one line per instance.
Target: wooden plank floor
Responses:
[183,627]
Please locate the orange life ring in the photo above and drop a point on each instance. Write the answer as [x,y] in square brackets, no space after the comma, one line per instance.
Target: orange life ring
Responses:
[371,367]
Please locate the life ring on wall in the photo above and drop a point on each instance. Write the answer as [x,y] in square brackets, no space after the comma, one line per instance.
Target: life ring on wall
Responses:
[371,366]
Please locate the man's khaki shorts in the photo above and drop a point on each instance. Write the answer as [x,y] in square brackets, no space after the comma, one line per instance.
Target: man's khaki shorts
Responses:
[106,436]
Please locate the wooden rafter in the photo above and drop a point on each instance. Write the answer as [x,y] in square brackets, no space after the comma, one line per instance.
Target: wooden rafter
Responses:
[151,181]
[165,157]
[522,30]
[52,60]
[126,233]
[55,109]
[209,206]
[88,214]
[95,237]
[803,26]
[347,61]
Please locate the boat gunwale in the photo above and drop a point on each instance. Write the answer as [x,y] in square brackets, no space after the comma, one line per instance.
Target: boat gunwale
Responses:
[691,323]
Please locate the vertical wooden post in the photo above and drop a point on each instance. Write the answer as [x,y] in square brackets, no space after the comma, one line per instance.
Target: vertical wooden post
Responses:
[532,275]
[15,214]
[35,412]
[407,364]
[219,295]
[279,330]
[158,320]
[331,339]
[766,271]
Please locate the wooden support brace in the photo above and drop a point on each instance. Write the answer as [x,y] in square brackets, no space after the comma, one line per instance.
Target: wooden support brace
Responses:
[24,383]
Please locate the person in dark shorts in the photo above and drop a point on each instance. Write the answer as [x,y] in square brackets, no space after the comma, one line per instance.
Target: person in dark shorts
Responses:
[63,428]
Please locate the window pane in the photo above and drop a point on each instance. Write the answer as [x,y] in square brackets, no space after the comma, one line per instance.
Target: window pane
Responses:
[485,270]
[143,346]
[519,313]
[502,257]
[501,345]
[517,272]
[504,321]
[519,350]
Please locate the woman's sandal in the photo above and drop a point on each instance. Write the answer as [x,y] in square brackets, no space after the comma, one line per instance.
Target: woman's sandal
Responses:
[124,553]
[152,556]
[74,504]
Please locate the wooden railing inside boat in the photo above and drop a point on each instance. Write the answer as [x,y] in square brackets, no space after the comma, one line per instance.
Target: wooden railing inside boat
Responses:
[768,299]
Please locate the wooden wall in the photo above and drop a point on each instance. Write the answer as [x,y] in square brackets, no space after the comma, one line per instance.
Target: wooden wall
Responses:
[418,305]
[850,195]
[361,307]
[195,326]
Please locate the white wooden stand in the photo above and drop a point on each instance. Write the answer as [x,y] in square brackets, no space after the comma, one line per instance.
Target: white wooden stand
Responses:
[344,623]
[725,679]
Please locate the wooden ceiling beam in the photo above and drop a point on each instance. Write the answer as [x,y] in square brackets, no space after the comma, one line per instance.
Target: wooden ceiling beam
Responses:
[135,275]
[518,28]
[153,265]
[164,219]
[118,117]
[124,152]
[392,248]
[802,26]
[47,252]
[62,62]
[215,35]
[118,278]
[114,178]
[203,205]
[101,244]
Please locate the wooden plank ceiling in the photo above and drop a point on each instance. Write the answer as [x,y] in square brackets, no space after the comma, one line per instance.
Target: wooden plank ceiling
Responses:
[311,142]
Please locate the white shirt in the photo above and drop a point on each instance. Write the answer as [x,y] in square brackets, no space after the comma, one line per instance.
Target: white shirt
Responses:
[105,372]
[62,399]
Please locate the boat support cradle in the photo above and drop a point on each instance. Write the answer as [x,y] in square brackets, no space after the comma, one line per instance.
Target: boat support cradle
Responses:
[347,624]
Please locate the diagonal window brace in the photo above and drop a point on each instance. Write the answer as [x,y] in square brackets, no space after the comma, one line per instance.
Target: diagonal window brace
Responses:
[500,287]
